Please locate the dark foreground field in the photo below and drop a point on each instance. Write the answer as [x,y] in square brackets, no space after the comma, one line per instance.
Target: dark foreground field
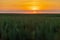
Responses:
[29,27]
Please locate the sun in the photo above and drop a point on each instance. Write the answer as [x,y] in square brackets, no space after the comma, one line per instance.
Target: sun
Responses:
[34,8]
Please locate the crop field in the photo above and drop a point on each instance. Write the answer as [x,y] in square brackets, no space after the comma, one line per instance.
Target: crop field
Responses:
[29,27]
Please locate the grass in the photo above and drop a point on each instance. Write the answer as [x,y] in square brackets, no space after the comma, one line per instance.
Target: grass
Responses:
[29,27]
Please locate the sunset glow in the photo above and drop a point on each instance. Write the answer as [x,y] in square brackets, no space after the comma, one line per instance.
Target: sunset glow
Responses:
[29,5]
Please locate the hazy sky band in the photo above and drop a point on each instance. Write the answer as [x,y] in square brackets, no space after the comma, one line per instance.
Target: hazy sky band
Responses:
[31,12]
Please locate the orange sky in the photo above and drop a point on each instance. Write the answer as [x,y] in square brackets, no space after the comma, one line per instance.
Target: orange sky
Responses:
[29,4]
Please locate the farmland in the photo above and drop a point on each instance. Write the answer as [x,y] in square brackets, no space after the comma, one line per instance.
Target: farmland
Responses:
[30,27]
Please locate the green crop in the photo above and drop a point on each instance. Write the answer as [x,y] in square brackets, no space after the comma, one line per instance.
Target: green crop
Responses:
[29,27]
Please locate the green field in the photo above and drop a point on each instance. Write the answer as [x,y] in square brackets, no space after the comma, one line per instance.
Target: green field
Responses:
[29,27]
